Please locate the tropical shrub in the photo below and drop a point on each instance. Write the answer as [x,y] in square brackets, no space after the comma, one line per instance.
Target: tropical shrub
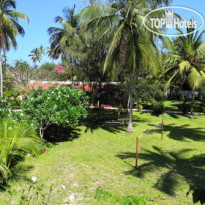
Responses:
[5,108]
[59,105]
[157,107]
[16,140]
[146,92]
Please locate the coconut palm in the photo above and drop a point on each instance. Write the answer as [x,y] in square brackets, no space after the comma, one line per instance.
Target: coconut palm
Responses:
[61,38]
[36,55]
[132,47]
[186,61]
[15,138]
[9,29]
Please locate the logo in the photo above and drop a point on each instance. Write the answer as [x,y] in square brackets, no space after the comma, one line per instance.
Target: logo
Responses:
[172,18]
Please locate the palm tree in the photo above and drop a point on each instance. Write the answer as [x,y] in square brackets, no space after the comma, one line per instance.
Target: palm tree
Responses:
[186,61]
[65,41]
[15,139]
[132,47]
[36,55]
[9,29]
[61,38]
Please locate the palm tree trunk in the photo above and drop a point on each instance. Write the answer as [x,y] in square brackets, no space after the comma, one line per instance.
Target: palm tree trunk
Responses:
[1,75]
[130,128]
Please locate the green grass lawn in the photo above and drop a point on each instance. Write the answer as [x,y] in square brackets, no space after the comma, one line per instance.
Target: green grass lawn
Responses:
[104,156]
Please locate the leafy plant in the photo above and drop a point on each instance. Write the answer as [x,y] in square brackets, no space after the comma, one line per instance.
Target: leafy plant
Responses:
[102,195]
[5,108]
[59,105]
[158,107]
[16,139]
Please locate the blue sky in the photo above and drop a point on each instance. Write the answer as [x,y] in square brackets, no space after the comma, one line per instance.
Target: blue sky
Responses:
[42,14]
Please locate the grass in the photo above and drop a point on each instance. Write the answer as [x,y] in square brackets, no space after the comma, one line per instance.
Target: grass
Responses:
[104,156]
[176,105]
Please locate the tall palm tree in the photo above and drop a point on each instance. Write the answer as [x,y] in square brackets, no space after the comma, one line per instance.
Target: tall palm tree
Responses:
[65,41]
[9,29]
[186,61]
[132,46]
[61,38]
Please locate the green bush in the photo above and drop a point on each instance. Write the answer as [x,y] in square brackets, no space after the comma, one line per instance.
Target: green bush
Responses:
[14,102]
[5,108]
[157,107]
[145,92]
[59,105]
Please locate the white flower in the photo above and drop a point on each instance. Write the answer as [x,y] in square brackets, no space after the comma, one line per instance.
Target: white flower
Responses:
[63,186]
[10,128]
[72,197]
[34,179]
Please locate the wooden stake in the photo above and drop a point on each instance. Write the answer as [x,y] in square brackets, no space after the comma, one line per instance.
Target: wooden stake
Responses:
[137,150]
[162,129]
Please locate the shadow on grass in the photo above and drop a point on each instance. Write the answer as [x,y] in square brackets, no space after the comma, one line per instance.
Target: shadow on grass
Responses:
[116,125]
[19,172]
[55,133]
[184,132]
[93,125]
[180,133]
[190,169]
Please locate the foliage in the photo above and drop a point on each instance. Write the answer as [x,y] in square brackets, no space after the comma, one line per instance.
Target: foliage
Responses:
[15,102]
[16,139]
[5,108]
[146,92]
[132,47]
[102,195]
[36,54]
[185,61]
[157,107]
[104,156]
[9,29]
[58,105]
[48,67]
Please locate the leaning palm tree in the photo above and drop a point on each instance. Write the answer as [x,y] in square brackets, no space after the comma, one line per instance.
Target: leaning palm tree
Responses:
[16,138]
[132,46]
[9,29]
[186,61]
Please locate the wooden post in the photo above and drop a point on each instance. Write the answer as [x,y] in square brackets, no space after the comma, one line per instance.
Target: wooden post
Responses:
[162,129]
[137,150]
